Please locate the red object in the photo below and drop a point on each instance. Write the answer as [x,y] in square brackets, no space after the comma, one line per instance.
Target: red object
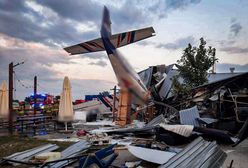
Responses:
[21,103]
[81,133]
[79,101]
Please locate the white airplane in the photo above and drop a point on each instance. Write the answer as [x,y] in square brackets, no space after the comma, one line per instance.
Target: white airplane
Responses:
[125,74]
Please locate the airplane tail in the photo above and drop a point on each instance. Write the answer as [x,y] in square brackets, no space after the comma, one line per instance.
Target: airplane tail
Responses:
[106,24]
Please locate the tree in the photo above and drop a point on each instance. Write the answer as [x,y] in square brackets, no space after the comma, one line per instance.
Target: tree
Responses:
[193,67]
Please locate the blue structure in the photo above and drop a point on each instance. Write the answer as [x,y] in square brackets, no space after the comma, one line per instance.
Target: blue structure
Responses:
[98,158]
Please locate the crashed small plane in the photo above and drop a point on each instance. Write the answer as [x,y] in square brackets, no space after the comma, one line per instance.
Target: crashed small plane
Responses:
[125,74]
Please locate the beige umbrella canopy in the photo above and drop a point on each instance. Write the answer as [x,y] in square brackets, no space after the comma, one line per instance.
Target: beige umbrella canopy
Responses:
[65,104]
[4,100]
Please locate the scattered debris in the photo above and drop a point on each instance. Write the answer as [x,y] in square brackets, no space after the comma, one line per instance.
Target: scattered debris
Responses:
[191,116]
[98,158]
[81,133]
[99,139]
[47,157]
[42,156]
[151,155]
[25,156]
[132,164]
[72,151]
[184,130]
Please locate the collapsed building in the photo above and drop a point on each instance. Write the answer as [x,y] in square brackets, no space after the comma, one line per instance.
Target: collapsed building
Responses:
[221,104]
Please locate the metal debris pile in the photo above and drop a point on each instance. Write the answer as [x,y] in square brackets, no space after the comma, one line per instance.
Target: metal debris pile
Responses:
[178,132]
[44,156]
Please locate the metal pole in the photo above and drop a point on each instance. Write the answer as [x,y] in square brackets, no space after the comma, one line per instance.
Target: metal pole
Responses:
[35,93]
[35,102]
[114,100]
[10,97]
[11,71]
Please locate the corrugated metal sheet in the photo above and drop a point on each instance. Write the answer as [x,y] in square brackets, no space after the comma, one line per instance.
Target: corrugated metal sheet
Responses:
[130,130]
[147,128]
[146,76]
[189,116]
[166,87]
[220,76]
[212,78]
[156,121]
[207,120]
[198,154]
[26,155]
[71,151]
[222,79]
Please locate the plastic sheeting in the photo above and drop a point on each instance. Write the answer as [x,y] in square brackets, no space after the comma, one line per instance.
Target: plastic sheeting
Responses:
[184,130]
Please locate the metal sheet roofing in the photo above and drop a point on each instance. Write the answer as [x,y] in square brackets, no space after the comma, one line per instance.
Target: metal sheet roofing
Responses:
[212,78]
[189,116]
[26,155]
[71,151]
[146,76]
[166,87]
[156,121]
[198,154]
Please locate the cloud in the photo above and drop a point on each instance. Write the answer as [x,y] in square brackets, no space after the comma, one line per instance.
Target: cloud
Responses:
[61,23]
[180,4]
[178,44]
[38,57]
[99,63]
[162,8]
[78,10]
[40,25]
[85,11]
[231,46]
[235,27]
[234,50]
[226,42]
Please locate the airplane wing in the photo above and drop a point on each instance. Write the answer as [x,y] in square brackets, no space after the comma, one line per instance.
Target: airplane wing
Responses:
[118,40]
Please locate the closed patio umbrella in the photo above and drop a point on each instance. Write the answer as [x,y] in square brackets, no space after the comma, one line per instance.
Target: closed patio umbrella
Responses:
[4,100]
[65,104]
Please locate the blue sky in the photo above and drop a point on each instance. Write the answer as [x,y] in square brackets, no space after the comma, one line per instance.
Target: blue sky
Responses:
[36,31]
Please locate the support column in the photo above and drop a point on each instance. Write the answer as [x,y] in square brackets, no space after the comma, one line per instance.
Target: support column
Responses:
[124,108]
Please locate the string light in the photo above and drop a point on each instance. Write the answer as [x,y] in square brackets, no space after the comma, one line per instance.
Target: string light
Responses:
[22,83]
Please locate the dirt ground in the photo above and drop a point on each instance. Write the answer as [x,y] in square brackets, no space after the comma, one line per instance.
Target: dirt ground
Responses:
[238,154]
